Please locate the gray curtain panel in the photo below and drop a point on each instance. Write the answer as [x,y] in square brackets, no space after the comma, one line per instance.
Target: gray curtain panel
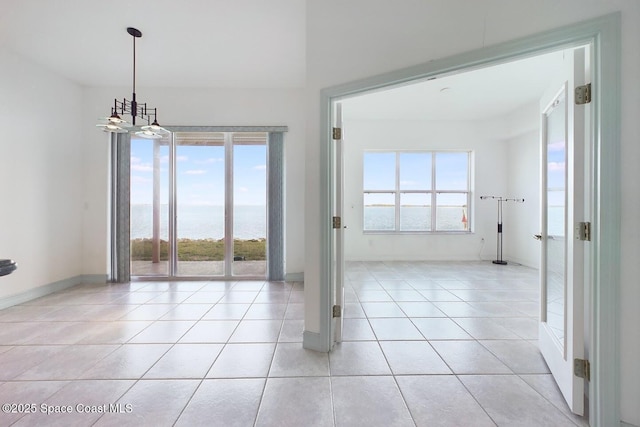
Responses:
[120,207]
[275,228]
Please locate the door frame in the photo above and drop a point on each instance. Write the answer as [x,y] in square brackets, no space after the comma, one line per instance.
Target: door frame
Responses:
[605,35]
[275,188]
[338,238]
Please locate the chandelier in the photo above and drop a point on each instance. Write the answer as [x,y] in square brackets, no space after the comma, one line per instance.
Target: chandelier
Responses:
[116,124]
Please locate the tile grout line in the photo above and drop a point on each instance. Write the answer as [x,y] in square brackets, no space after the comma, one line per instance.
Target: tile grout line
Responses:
[277,342]
[266,378]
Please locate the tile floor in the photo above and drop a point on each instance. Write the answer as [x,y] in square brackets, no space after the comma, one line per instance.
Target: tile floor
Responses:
[426,344]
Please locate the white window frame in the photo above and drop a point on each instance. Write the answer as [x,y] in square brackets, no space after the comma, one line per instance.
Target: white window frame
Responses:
[432,192]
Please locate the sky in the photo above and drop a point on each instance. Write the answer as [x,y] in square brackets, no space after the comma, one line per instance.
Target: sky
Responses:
[415,174]
[556,154]
[200,174]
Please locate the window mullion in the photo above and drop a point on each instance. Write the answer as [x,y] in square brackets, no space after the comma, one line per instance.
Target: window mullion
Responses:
[468,191]
[397,198]
[173,208]
[433,191]
[228,210]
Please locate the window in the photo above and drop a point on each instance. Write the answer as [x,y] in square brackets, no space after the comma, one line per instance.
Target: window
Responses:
[416,191]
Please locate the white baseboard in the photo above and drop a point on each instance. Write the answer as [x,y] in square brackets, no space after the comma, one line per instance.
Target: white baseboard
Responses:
[523,262]
[50,288]
[294,277]
[312,341]
[93,278]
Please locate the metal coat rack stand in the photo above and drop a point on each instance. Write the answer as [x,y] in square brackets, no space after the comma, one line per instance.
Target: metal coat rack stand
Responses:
[500,200]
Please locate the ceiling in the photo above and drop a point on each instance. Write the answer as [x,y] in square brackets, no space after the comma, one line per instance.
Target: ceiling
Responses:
[185,43]
[474,95]
[236,44]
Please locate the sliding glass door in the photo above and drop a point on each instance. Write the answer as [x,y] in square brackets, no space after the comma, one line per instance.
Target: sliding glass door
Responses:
[249,204]
[199,205]
[149,201]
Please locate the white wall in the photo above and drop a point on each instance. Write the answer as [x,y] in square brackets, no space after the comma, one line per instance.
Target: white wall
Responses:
[196,107]
[347,41]
[523,175]
[506,162]
[488,177]
[41,175]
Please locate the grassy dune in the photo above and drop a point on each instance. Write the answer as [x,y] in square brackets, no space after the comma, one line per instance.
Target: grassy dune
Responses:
[200,250]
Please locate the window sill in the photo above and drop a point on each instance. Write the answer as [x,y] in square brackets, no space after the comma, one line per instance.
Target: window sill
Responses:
[413,233]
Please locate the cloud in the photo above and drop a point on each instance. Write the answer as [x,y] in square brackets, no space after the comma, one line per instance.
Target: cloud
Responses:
[195,172]
[137,165]
[165,159]
[209,161]
[243,189]
[556,166]
[260,167]
[557,146]
[142,168]
[140,180]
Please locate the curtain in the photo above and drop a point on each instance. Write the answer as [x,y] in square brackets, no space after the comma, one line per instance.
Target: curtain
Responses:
[120,204]
[275,215]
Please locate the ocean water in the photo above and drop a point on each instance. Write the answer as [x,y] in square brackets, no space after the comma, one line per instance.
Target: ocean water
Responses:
[414,218]
[207,222]
[449,218]
[200,222]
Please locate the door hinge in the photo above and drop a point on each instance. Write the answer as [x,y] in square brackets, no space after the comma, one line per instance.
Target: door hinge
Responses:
[582,369]
[337,311]
[583,231]
[337,222]
[336,133]
[583,94]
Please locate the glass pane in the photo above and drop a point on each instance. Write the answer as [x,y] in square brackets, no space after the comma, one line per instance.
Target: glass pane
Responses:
[556,153]
[452,171]
[149,207]
[451,212]
[379,171]
[250,209]
[200,175]
[415,171]
[415,212]
[555,213]
[379,211]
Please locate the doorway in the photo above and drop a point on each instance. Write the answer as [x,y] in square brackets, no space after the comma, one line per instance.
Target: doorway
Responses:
[421,158]
[199,205]
[604,34]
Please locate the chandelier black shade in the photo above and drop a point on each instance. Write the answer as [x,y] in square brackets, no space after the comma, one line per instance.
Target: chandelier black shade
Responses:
[131,107]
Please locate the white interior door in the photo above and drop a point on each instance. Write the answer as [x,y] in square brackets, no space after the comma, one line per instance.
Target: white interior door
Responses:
[338,228]
[563,207]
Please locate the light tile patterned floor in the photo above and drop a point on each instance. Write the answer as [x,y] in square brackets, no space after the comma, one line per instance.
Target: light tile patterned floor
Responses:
[426,344]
